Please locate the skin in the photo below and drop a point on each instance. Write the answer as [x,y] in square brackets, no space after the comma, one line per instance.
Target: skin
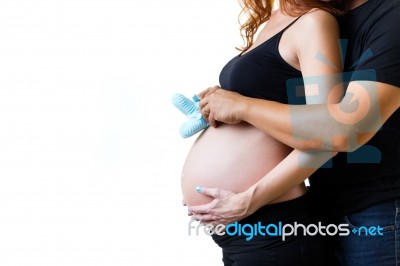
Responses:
[295,52]
[300,52]
[349,130]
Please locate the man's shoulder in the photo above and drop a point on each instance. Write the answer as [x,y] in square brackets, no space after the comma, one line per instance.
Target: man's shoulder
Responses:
[373,12]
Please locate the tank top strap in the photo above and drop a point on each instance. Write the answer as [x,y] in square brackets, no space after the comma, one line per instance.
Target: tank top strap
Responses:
[291,23]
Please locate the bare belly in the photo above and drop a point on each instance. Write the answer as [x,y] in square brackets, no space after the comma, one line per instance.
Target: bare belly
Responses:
[232,157]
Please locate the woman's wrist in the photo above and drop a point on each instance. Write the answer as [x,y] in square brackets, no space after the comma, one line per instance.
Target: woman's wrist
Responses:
[256,198]
[244,109]
[247,198]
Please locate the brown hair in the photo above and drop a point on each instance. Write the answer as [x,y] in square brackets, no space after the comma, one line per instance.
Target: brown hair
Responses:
[259,11]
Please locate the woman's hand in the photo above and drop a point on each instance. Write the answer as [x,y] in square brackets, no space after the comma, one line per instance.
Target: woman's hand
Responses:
[227,207]
[217,104]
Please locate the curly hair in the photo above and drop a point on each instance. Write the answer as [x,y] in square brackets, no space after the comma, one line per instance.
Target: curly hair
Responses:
[259,11]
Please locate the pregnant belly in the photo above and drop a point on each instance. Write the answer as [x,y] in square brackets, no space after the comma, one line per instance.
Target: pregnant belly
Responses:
[232,157]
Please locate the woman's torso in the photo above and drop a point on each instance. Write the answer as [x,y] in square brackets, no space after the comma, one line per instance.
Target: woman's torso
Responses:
[234,157]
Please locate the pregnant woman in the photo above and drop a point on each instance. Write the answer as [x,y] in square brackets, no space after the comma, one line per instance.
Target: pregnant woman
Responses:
[299,42]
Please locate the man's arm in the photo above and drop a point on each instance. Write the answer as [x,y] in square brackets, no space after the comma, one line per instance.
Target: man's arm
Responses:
[340,127]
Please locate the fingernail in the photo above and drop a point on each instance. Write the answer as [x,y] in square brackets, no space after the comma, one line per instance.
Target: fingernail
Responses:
[199,188]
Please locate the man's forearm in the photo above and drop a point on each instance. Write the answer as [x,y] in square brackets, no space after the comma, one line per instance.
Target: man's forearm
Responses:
[297,126]
[327,127]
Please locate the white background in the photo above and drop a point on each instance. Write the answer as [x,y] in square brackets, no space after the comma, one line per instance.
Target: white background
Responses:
[90,155]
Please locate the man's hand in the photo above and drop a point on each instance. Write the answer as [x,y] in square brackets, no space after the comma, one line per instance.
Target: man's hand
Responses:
[227,207]
[217,104]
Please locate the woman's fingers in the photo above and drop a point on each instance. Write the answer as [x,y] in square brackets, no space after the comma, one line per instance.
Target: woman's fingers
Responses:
[205,111]
[203,93]
[205,108]
[204,218]
[203,103]
[208,91]
[209,116]
[211,192]
[202,209]
[224,209]
[211,119]
[208,108]
[212,220]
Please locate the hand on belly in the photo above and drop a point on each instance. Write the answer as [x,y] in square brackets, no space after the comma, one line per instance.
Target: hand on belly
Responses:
[231,157]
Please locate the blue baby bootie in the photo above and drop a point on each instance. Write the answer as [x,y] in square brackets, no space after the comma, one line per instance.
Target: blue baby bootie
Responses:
[196,122]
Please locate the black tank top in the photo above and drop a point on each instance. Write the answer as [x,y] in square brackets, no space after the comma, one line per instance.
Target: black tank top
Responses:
[262,72]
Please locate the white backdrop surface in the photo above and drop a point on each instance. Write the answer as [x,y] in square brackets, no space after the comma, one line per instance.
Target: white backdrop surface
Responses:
[90,155]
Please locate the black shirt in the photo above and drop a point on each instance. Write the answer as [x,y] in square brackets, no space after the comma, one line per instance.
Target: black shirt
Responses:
[371,174]
[261,72]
